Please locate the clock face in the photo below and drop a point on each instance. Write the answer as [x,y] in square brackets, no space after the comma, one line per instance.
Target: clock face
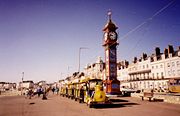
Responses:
[112,35]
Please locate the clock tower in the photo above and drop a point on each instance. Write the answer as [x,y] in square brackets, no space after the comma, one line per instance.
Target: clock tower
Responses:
[110,44]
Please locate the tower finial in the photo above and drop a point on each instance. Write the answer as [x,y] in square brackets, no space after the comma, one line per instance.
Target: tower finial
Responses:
[109,14]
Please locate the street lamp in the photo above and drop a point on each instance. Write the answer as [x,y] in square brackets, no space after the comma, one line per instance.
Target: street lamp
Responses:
[22,82]
[80,57]
[68,68]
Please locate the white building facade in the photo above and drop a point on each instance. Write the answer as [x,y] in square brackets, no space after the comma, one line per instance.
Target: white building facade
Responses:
[95,70]
[151,71]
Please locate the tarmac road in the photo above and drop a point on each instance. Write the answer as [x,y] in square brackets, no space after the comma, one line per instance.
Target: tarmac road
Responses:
[60,106]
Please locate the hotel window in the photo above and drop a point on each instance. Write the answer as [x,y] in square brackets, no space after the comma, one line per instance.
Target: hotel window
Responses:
[147,66]
[161,66]
[173,72]
[152,67]
[169,73]
[168,65]
[157,75]
[148,75]
[135,68]
[144,77]
[156,66]
[178,63]
[153,75]
[162,75]
[173,64]
[143,67]
[178,72]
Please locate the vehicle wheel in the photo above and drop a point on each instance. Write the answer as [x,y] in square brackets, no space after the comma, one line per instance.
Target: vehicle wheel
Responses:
[123,93]
[90,105]
[79,100]
[87,103]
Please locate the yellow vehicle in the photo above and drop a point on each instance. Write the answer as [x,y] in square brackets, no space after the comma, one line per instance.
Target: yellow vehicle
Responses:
[174,85]
[76,91]
[95,94]
[78,88]
[63,90]
[70,92]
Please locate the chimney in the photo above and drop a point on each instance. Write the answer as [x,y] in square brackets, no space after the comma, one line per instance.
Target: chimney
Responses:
[157,51]
[170,49]
[135,60]
[166,52]
[126,63]
[144,56]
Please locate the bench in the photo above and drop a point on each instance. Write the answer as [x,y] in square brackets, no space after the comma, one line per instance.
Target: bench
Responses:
[148,95]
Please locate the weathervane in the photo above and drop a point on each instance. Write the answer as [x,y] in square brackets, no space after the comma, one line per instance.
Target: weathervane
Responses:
[109,14]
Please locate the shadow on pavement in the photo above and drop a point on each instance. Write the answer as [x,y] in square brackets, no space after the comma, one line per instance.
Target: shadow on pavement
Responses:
[31,103]
[116,103]
[118,100]
[158,100]
[103,106]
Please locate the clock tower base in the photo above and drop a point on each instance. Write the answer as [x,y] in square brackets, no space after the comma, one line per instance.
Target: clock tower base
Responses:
[112,87]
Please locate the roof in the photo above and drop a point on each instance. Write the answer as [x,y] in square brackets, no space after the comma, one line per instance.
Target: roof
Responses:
[110,26]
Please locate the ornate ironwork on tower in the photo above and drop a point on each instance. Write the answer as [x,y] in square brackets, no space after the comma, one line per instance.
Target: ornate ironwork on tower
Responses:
[110,44]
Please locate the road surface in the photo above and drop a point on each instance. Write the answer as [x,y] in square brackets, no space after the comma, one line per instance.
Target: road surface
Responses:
[60,106]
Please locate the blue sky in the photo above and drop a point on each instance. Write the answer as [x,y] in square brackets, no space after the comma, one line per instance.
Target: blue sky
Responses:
[42,37]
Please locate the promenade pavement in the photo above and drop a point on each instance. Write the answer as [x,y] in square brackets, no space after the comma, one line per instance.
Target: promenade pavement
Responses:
[60,106]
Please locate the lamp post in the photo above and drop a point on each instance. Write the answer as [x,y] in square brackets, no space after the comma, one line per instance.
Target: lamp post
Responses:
[61,75]
[68,68]
[22,83]
[79,59]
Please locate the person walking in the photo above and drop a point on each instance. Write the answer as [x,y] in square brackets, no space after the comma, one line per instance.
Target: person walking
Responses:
[53,90]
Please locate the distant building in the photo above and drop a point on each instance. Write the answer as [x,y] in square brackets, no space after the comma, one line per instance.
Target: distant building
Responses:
[41,83]
[95,70]
[7,85]
[26,84]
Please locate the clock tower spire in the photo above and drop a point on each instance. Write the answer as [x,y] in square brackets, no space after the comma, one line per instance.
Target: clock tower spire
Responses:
[109,14]
[110,44]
